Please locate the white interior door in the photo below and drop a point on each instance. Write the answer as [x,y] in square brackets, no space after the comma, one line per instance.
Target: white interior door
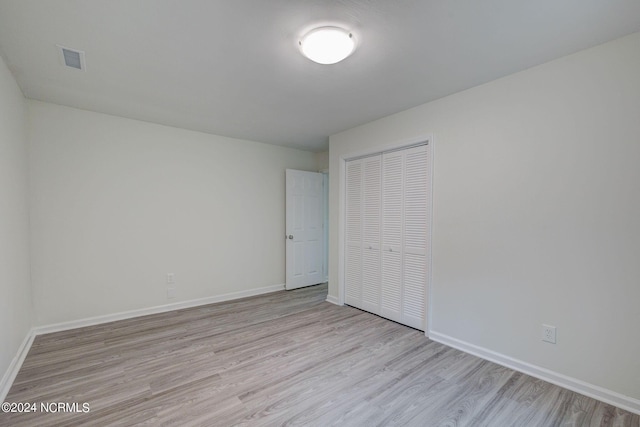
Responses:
[304,228]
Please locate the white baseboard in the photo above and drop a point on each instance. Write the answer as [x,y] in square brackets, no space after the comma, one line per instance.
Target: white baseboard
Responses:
[63,326]
[608,396]
[16,364]
[333,300]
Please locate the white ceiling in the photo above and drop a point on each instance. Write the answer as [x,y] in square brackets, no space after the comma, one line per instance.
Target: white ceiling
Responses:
[232,67]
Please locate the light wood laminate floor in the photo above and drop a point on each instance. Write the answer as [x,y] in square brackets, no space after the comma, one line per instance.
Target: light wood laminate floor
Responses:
[287,358]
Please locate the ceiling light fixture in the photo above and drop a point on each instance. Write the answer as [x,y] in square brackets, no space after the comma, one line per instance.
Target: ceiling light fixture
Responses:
[327,45]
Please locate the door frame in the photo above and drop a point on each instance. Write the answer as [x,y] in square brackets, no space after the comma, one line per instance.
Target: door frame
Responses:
[342,209]
[325,225]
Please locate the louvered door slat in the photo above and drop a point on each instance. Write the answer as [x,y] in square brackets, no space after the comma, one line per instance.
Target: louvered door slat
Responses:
[414,288]
[372,168]
[392,188]
[391,304]
[353,276]
[354,201]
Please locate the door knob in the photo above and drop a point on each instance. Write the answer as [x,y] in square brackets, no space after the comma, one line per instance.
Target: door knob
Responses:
[290,236]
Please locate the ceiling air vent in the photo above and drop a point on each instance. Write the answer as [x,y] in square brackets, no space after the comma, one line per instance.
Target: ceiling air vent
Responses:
[71,57]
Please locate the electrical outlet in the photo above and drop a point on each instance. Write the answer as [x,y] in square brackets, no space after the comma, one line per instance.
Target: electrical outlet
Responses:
[171,278]
[171,293]
[549,333]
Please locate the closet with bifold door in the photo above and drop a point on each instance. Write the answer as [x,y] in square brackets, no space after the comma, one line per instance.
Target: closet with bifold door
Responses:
[387,233]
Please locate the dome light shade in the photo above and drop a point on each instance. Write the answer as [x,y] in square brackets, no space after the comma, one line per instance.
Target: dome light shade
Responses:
[327,45]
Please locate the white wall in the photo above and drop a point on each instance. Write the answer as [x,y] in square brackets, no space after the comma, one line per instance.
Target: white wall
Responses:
[322,160]
[536,212]
[15,290]
[119,203]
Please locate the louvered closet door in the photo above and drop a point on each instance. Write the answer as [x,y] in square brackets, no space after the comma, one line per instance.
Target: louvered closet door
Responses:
[371,202]
[416,233]
[387,232]
[392,208]
[353,241]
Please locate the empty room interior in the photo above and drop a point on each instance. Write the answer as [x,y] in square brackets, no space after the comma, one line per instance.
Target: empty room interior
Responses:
[344,212]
